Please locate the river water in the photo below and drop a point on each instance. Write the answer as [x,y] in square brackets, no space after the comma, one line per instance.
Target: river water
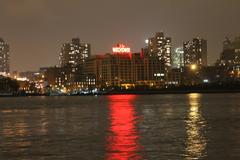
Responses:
[171,126]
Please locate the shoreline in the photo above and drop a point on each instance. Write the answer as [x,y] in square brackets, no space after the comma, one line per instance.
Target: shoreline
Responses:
[146,92]
[176,92]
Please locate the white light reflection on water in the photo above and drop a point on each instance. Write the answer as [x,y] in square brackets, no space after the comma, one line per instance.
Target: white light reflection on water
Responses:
[15,129]
[196,141]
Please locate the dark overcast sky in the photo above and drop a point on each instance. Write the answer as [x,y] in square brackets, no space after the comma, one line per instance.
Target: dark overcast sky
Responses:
[35,29]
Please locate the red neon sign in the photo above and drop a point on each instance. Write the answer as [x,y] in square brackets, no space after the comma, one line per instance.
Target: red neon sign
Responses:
[121,48]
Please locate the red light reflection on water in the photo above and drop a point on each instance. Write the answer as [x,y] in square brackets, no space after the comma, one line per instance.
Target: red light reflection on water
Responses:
[123,140]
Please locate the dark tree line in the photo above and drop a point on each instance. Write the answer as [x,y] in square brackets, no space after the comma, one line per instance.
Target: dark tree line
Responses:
[8,85]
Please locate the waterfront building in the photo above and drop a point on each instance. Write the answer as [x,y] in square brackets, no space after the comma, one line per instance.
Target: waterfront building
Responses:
[120,68]
[83,82]
[116,67]
[125,69]
[4,58]
[59,78]
[214,74]
[31,81]
[175,77]
[195,52]
[64,80]
[137,67]
[94,66]
[154,75]
[230,59]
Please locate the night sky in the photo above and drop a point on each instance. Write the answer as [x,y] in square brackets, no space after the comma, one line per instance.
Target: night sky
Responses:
[36,29]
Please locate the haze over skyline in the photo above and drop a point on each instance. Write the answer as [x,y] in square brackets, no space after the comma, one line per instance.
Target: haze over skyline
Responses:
[35,30]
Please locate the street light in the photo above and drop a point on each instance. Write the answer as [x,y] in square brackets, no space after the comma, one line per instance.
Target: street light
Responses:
[147,41]
[193,67]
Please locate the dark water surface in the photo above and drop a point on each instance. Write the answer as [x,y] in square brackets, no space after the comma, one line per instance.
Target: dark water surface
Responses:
[186,126]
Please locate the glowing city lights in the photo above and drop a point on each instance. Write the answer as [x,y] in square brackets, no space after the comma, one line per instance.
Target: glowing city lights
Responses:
[193,67]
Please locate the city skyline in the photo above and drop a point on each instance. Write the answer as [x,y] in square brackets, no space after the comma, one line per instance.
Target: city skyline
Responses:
[36,30]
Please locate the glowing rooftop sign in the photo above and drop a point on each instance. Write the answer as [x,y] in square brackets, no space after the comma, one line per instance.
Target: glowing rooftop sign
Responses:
[121,48]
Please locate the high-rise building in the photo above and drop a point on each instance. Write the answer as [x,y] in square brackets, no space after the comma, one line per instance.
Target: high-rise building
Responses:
[230,58]
[231,52]
[4,58]
[158,51]
[178,58]
[195,52]
[160,46]
[74,53]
